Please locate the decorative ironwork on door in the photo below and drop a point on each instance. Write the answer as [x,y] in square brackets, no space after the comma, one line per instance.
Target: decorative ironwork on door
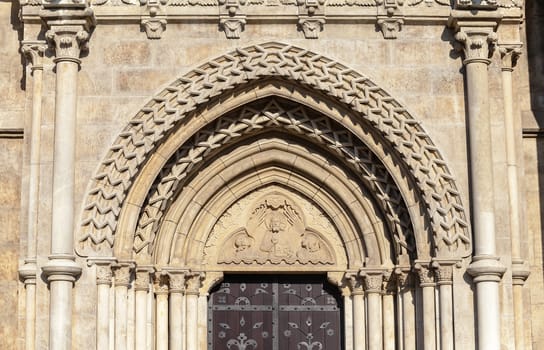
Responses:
[274,312]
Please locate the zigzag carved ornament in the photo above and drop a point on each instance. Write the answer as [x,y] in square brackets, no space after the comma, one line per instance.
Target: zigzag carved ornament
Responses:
[353,90]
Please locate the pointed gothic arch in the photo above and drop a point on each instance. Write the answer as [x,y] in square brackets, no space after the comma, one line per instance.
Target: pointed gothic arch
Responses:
[397,133]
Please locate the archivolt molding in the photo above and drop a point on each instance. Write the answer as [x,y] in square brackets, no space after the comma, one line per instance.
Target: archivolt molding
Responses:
[298,120]
[150,126]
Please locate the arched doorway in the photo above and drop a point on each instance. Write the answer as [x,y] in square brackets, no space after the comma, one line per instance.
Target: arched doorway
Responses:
[298,170]
[275,312]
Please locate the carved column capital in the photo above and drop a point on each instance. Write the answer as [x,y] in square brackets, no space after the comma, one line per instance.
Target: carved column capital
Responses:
[142,280]
[510,53]
[355,283]
[424,273]
[443,270]
[103,269]
[177,280]
[122,273]
[475,34]
[161,282]
[194,282]
[68,31]
[389,282]
[372,280]
[404,278]
[33,51]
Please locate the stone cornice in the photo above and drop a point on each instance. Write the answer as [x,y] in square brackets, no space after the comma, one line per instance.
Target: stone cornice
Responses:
[422,12]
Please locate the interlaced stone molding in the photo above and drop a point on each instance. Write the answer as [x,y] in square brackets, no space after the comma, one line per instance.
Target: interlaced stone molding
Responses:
[150,126]
[296,119]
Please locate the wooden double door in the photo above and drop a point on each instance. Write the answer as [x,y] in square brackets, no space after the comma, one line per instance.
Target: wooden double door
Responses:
[280,312]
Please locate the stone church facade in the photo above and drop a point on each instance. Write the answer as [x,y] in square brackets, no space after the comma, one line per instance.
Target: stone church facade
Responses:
[271,174]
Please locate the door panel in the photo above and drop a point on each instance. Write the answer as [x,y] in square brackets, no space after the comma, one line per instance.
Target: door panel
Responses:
[273,313]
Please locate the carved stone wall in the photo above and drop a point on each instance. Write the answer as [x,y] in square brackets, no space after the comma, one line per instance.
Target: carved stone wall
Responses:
[226,136]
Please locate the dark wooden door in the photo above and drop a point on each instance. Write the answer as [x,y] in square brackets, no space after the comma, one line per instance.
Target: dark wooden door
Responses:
[274,313]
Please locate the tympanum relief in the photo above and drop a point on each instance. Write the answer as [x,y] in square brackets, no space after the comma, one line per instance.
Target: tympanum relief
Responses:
[271,228]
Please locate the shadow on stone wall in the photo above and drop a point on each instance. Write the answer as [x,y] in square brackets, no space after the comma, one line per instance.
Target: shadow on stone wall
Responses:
[534,13]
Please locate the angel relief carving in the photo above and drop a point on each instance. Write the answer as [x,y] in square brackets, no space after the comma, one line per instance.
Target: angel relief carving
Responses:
[275,232]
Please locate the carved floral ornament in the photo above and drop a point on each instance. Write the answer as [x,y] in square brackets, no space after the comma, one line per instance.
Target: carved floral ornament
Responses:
[154,122]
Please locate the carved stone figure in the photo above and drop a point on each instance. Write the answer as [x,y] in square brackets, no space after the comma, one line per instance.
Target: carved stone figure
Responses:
[275,232]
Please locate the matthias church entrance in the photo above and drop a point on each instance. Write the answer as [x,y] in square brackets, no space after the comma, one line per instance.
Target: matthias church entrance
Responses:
[275,312]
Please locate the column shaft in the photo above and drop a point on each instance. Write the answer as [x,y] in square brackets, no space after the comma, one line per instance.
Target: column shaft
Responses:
[408,320]
[103,317]
[162,320]
[141,319]
[176,322]
[446,317]
[192,321]
[388,322]
[375,341]
[359,321]
[121,317]
[428,318]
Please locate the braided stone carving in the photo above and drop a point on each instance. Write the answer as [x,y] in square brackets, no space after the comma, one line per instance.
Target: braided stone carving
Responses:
[296,119]
[148,128]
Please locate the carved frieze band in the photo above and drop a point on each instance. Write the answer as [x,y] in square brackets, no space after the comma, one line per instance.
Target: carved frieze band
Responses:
[402,132]
[462,4]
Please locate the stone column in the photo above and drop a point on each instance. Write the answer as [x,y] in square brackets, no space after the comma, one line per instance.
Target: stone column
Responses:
[68,26]
[405,284]
[372,283]
[426,282]
[122,273]
[103,285]
[388,307]
[509,55]
[33,51]
[141,289]
[444,280]
[359,319]
[476,33]
[193,284]
[177,291]
[161,308]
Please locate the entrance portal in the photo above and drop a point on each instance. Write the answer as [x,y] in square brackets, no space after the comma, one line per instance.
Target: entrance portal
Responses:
[275,312]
